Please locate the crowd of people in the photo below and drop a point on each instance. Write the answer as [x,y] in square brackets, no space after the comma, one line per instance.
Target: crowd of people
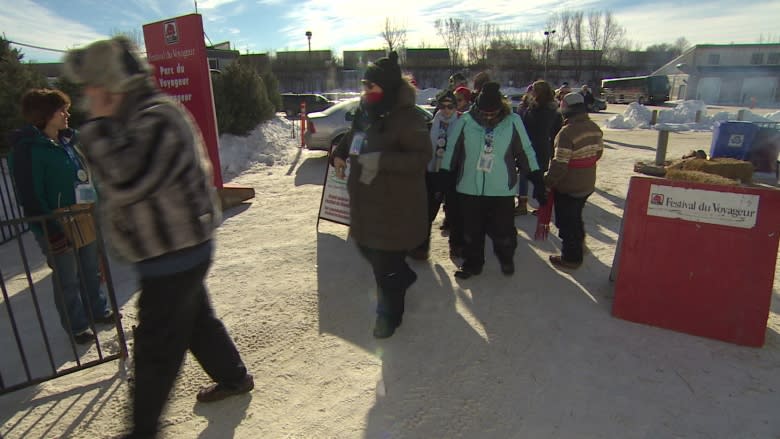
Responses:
[477,161]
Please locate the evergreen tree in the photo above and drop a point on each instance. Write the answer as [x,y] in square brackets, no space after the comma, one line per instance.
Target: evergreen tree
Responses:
[240,99]
[74,91]
[272,90]
[16,78]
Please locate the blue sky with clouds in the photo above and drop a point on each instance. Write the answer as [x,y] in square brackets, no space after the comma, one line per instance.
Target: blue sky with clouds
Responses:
[268,25]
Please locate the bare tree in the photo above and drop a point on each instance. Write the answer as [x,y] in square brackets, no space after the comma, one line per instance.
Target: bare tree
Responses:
[682,44]
[613,32]
[134,35]
[451,31]
[594,29]
[394,35]
[478,37]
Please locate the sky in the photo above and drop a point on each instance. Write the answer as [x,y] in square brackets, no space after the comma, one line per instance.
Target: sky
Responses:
[258,26]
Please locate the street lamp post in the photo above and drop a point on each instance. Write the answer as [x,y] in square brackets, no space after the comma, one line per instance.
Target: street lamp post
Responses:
[308,37]
[547,35]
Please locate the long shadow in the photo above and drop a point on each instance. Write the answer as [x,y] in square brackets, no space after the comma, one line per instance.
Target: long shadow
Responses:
[629,145]
[23,293]
[235,210]
[312,170]
[223,418]
[616,200]
[30,414]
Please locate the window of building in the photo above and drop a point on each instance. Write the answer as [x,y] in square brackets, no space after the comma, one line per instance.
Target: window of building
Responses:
[713,59]
[214,64]
[757,58]
[774,58]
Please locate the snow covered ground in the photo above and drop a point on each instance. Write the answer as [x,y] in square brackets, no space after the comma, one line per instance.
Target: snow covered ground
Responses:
[537,355]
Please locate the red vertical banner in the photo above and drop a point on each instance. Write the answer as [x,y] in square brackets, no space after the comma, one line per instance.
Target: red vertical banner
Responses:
[175,48]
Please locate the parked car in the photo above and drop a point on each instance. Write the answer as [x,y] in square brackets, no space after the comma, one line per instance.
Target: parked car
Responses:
[598,105]
[291,103]
[325,129]
[514,100]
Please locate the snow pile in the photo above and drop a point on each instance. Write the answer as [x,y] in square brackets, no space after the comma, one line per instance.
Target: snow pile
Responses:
[680,118]
[270,143]
[635,116]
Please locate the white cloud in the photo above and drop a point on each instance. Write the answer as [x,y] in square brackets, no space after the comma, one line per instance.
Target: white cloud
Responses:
[721,22]
[213,4]
[47,29]
[352,25]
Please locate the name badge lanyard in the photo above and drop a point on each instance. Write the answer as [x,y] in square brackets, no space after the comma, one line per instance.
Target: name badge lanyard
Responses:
[486,159]
[441,144]
[81,173]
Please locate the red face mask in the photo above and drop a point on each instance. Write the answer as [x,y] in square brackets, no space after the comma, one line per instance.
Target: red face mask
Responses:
[373,97]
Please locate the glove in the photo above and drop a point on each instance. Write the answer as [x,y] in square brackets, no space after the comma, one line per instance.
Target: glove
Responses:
[540,195]
[369,163]
[540,191]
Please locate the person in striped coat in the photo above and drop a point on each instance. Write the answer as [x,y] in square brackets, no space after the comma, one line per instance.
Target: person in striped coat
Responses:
[572,177]
[160,209]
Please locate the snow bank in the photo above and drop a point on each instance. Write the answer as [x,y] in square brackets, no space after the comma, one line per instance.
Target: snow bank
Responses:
[271,143]
[680,118]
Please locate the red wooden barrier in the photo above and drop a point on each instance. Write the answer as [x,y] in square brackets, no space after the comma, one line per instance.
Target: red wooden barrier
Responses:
[698,258]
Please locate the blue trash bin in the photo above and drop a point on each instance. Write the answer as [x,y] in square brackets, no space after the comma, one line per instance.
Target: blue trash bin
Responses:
[732,139]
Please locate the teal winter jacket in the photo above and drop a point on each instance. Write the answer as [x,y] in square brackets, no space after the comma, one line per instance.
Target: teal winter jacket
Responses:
[44,172]
[512,153]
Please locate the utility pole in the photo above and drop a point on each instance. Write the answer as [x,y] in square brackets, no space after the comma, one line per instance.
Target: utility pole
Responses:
[308,36]
[547,35]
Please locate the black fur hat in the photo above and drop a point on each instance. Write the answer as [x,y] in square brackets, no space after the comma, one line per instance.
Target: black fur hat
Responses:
[385,72]
[490,98]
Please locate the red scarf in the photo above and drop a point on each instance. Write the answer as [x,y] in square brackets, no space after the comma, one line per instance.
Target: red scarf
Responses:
[543,217]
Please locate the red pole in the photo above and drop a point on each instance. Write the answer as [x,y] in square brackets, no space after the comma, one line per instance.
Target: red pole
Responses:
[303,122]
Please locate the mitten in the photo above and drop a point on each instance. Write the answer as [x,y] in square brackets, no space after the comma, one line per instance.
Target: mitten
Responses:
[540,191]
[370,166]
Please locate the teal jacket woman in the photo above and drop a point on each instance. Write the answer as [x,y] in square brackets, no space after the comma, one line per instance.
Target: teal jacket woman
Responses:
[511,149]
[46,172]
[489,149]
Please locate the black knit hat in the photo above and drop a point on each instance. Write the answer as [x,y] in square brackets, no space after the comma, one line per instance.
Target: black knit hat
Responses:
[385,72]
[446,96]
[490,98]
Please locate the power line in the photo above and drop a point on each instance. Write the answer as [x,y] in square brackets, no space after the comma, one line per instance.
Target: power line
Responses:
[37,47]
[143,52]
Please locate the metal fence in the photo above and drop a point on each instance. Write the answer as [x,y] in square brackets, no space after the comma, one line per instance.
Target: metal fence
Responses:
[40,348]
[9,207]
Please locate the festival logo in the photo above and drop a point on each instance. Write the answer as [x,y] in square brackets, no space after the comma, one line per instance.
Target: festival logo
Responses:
[171,32]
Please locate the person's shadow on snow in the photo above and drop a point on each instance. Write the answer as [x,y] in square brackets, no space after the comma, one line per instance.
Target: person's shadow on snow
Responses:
[223,417]
[433,368]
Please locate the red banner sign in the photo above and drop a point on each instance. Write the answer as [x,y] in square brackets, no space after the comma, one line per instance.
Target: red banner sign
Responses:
[176,49]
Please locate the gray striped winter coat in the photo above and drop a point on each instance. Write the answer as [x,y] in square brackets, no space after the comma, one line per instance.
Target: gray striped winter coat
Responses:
[153,177]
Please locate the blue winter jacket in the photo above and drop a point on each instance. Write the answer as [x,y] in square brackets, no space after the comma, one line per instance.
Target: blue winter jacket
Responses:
[512,153]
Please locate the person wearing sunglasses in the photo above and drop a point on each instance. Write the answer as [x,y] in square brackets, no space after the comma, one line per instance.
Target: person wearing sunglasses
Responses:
[388,148]
[488,151]
[439,183]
